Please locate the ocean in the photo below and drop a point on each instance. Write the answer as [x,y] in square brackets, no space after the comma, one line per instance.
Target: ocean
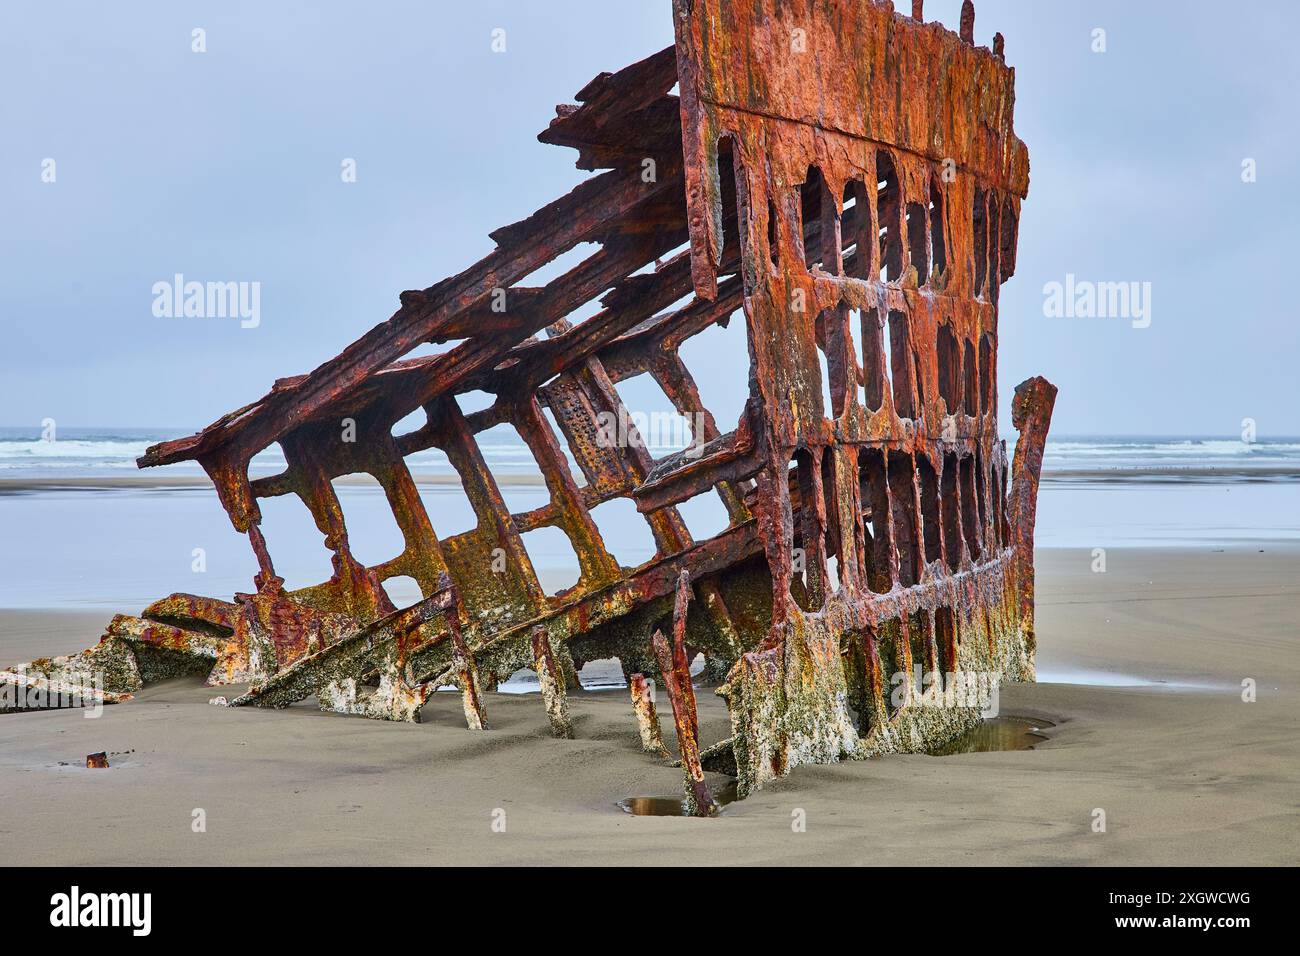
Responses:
[97,542]
[101,452]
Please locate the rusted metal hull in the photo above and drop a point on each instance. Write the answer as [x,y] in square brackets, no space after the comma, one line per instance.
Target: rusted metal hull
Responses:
[846,180]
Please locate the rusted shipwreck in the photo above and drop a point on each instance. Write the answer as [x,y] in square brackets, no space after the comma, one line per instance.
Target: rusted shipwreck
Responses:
[845,180]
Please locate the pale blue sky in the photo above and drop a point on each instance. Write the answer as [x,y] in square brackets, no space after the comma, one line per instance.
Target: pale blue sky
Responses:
[225,165]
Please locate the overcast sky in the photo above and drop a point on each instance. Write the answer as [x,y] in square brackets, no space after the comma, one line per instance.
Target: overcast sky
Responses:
[225,165]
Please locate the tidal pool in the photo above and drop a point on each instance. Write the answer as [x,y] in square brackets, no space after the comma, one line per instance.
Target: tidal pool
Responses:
[996,733]
[674,806]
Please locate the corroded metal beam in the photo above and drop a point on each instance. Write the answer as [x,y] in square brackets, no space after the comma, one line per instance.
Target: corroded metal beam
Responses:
[647,718]
[675,667]
[551,679]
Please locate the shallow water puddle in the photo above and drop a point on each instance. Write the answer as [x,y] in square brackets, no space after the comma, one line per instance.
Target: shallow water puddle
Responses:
[674,806]
[992,734]
[996,733]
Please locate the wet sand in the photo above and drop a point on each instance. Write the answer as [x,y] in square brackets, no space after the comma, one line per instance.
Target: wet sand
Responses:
[1186,772]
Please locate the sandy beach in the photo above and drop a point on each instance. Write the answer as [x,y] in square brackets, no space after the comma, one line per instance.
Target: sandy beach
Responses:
[1158,737]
